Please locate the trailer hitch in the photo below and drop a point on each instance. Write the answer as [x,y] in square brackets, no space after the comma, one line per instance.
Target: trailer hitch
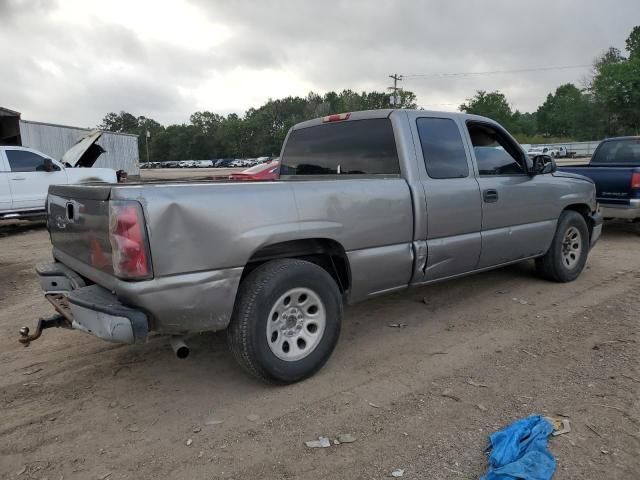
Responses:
[57,321]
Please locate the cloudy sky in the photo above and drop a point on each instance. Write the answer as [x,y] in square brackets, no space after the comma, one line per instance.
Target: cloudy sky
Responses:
[72,61]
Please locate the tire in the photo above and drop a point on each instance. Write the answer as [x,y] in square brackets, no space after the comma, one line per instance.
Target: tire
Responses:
[263,322]
[563,262]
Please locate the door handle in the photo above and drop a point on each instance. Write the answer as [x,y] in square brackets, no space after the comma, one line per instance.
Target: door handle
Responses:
[18,178]
[490,196]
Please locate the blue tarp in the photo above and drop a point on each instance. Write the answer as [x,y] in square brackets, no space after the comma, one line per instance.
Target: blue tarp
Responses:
[519,451]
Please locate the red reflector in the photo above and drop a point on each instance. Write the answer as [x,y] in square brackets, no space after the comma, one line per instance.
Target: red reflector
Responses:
[336,117]
[635,180]
[129,252]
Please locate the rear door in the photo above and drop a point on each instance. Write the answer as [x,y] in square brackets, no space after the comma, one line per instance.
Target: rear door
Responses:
[28,180]
[5,191]
[454,214]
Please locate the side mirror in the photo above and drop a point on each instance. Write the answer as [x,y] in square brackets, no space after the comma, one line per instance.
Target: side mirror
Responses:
[542,164]
[48,165]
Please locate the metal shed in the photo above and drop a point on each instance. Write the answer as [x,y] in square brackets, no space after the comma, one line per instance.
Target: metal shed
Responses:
[121,148]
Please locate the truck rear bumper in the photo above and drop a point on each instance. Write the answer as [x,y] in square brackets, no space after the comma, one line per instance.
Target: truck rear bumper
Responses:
[630,212]
[98,312]
[178,304]
[91,309]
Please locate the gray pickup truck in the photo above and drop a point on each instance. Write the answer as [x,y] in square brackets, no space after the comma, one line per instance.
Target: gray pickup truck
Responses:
[367,203]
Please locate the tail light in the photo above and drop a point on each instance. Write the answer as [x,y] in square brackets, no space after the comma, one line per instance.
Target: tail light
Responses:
[129,248]
[336,117]
[635,180]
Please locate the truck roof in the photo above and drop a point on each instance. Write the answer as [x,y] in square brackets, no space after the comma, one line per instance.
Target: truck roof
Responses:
[384,113]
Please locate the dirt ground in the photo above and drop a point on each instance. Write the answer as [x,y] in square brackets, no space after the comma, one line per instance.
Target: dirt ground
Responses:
[500,345]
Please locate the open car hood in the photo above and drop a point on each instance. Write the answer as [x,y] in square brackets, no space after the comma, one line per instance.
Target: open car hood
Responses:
[85,151]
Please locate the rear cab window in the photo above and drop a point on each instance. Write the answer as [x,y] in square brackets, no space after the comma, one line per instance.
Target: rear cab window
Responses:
[442,148]
[625,151]
[342,149]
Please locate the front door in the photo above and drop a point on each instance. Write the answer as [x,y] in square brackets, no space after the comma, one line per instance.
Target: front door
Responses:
[28,180]
[514,223]
[452,199]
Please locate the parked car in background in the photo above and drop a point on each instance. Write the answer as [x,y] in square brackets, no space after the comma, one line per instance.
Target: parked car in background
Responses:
[223,162]
[553,152]
[615,169]
[187,163]
[367,203]
[261,172]
[26,174]
[170,164]
[204,163]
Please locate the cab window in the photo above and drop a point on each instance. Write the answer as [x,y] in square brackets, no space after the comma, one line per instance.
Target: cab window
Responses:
[442,148]
[495,153]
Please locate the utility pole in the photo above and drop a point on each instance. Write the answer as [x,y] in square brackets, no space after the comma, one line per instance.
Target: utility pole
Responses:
[396,78]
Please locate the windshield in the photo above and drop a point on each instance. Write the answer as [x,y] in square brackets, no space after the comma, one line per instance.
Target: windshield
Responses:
[618,151]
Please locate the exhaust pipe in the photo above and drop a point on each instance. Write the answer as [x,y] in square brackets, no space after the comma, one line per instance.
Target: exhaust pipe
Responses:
[179,347]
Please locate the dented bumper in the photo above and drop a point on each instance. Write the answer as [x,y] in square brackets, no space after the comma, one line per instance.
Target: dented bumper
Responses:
[91,309]
[177,304]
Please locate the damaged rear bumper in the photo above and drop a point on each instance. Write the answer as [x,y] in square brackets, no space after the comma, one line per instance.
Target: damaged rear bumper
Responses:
[125,312]
[92,309]
[98,312]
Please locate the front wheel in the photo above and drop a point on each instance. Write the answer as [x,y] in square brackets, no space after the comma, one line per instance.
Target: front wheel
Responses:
[286,321]
[567,256]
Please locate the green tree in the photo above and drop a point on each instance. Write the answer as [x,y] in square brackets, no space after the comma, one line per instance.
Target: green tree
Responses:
[615,88]
[633,43]
[493,105]
[568,113]
[125,122]
[122,122]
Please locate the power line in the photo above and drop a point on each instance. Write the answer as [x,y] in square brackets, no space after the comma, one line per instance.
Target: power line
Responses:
[493,72]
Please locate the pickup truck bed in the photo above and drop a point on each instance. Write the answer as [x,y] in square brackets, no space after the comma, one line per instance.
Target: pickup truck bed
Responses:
[368,203]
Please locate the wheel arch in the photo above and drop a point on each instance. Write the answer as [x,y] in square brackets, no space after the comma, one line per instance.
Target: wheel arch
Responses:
[324,252]
[584,210]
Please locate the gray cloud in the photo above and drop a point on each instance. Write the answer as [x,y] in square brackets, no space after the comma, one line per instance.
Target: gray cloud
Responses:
[76,72]
[356,43]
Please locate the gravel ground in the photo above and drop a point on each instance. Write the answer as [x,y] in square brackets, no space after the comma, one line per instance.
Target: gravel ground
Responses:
[499,345]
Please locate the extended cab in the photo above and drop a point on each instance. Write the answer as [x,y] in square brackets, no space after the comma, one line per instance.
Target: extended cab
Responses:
[27,174]
[367,203]
[615,169]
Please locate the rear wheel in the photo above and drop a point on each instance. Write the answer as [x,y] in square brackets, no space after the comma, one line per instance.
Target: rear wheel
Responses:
[286,320]
[567,256]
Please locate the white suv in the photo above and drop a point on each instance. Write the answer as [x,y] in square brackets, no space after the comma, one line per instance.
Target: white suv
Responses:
[25,175]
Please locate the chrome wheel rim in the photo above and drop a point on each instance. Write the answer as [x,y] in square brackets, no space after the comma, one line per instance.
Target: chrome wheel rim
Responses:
[296,324]
[571,247]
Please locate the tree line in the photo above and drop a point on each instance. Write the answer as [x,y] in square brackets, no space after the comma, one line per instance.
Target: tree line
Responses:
[609,105]
[260,132]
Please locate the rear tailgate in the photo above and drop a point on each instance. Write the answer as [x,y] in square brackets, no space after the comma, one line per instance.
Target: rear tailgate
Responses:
[78,221]
[613,183]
